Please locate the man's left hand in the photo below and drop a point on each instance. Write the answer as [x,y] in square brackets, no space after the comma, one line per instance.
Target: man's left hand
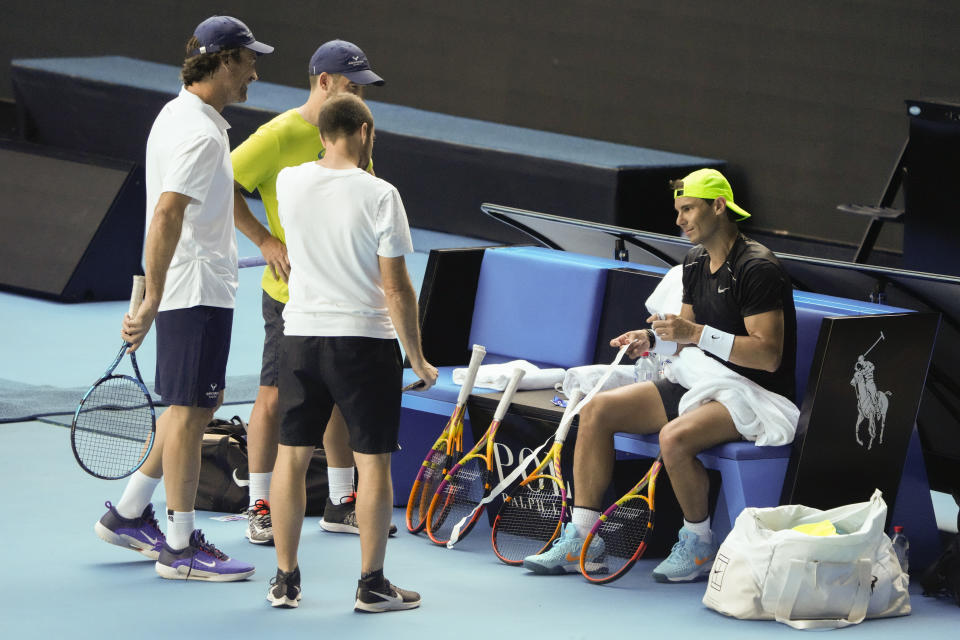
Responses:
[675,329]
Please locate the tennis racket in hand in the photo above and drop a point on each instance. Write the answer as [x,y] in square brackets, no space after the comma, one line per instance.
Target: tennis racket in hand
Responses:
[468,482]
[619,537]
[444,453]
[115,425]
[531,517]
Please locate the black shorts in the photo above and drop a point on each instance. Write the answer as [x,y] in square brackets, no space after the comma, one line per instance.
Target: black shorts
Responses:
[272,337]
[362,376]
[670,394]
[192,349]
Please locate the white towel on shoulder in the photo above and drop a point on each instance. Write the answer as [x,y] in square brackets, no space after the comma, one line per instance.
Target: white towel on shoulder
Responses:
[496,376]
[760,415]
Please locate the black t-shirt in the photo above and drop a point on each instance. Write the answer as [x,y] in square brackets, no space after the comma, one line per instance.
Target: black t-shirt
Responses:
[751,281]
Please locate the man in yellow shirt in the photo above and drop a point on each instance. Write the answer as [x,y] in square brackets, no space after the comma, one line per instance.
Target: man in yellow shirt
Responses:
[290,139]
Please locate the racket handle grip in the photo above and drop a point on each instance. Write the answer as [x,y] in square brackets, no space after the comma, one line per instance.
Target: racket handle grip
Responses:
[476,358]
[136,295]
[507,397]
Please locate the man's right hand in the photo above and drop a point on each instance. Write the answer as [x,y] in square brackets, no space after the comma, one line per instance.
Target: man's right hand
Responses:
[135,329]
[275,254]
[639,338]
[426,372]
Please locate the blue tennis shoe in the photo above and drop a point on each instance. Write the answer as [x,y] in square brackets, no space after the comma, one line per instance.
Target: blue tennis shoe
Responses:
[689,560]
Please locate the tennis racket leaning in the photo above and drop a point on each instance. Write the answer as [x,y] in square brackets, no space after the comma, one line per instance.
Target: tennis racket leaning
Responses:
[115,424]
[444,453]
[468,482]
[619,537]
[531,516]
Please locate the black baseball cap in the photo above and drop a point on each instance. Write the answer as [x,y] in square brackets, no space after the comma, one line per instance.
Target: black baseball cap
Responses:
[217,33]
[345,58]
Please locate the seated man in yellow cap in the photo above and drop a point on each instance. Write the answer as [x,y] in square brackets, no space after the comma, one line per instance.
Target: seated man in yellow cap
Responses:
[738,308]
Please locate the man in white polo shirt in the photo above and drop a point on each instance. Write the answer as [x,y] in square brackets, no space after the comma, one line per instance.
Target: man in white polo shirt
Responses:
[190,259]
[350,299]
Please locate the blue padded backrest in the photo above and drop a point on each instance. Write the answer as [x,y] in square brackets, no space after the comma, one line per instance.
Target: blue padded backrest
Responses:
[538,305]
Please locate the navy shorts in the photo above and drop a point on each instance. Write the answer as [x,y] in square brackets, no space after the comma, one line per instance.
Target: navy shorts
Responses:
[362,376]
[192,349]
[272,337]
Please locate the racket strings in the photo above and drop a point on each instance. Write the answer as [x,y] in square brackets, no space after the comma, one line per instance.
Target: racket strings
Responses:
[435,465]
[113,427]
[528,520]
[462,493]
[615,544]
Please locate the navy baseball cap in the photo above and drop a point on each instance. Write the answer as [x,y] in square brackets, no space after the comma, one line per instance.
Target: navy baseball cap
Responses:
[345,58]
[217,33]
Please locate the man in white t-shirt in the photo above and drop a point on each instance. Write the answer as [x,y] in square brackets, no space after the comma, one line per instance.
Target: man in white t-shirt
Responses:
[190,260]
[350,299]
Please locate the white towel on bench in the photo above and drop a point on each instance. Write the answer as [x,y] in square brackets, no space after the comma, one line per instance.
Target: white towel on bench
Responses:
[496,376]
[586,377]
[760,415]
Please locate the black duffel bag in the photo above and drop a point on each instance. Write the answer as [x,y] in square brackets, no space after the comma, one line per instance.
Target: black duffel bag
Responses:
[224,476]
[942,578]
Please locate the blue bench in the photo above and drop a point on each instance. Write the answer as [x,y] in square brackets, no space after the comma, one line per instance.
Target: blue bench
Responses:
[543,306]
[533,304]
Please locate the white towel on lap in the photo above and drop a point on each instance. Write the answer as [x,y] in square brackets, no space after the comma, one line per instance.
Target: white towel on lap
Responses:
[765,417]
[496,376]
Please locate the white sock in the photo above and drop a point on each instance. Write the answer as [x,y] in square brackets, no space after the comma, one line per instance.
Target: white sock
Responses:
[136,495]
[179,528]
[584,519]
[260,486]
[702,529]
[340,480]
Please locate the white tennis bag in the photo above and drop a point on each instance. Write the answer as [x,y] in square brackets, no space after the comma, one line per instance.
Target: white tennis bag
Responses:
[767,571]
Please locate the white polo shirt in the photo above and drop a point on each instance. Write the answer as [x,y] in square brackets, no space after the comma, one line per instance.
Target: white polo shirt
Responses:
[337,223]
[188,152]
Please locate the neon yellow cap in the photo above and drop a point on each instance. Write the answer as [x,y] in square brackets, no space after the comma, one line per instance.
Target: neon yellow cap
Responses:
[709,184]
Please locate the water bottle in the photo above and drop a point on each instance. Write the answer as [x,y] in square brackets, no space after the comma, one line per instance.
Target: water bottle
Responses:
[647,367]
[901,546]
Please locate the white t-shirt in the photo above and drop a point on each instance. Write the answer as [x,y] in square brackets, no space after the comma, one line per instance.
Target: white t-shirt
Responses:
[188,152]
[337,223]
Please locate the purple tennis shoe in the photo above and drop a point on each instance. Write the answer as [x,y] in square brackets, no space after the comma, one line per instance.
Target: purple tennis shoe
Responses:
[140,534]
[200,560]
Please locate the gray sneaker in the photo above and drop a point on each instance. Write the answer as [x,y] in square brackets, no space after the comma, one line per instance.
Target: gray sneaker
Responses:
[259,525]
[342,518]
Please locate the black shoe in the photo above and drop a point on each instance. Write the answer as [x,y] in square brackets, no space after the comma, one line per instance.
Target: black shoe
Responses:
[384,597]
[342,518]
[285,589]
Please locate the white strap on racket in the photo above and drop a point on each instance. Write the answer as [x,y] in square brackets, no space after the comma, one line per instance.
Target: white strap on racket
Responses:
[574,405]
[475,359]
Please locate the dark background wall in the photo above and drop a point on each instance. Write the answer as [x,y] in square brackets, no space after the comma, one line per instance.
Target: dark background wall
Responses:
[803,99]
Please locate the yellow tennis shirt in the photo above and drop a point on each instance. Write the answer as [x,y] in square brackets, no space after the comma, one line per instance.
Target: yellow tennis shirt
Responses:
[286,141]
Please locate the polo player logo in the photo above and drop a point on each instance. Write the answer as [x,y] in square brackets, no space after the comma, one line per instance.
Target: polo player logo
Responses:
[872,405]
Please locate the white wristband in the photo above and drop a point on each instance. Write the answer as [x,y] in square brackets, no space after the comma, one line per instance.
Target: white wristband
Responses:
[719,343]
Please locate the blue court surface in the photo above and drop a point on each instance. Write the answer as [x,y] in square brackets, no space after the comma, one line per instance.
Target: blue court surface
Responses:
[60,580]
